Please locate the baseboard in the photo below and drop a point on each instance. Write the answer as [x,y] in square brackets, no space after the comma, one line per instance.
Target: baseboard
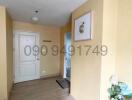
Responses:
[50,75]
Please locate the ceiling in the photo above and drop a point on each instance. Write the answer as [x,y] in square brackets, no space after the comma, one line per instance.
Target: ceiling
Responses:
[51,12]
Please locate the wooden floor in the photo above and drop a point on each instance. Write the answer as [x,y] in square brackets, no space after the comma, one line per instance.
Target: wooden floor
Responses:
[43,89]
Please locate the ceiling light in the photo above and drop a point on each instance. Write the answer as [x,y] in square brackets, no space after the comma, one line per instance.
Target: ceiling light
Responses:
[34,18]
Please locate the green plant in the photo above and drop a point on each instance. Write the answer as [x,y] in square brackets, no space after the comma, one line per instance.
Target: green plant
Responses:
[115,92]
[119,90]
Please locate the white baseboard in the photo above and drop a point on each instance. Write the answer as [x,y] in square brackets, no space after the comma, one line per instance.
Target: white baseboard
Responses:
[50,75]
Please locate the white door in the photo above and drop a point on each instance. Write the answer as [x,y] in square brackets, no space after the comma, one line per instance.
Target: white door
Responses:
[25,61]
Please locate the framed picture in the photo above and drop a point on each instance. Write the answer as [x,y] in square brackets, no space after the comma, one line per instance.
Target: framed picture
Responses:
[83,27]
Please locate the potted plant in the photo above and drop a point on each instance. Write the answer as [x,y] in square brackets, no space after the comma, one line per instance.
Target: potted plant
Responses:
[119,90]
[115,91]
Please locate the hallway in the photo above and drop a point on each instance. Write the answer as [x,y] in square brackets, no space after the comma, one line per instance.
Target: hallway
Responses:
[43,89]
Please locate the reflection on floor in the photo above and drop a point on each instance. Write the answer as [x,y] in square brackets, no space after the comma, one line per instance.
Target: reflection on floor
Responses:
[43,89]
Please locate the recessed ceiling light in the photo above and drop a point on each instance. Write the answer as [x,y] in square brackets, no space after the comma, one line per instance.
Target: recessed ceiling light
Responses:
[34,18]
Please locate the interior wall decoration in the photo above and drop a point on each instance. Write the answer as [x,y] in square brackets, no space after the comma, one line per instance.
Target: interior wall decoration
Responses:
[83,27]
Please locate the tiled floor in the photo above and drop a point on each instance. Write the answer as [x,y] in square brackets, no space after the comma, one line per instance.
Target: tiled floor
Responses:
[43,89]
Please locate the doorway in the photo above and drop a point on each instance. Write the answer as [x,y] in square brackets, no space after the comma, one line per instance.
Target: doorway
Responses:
[65,81]
[67,57]
[26,63]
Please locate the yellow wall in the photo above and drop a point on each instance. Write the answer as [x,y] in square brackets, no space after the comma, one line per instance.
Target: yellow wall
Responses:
[117,29]
[124,41]
[110,8]
[86,70]
[6,54]
[64,30]
[3,68]
[112,27]
[50,64]
[9,50]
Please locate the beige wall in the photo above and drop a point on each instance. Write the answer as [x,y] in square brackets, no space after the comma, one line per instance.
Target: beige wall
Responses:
[6,54]
[9,50]
[124,41]
[117,29]
[3,65]
[110,8]
[112,27]
[86,70]
[50,64]
[64,30]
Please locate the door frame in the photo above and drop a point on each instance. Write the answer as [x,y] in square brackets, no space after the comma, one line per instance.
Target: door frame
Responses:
[17,32]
